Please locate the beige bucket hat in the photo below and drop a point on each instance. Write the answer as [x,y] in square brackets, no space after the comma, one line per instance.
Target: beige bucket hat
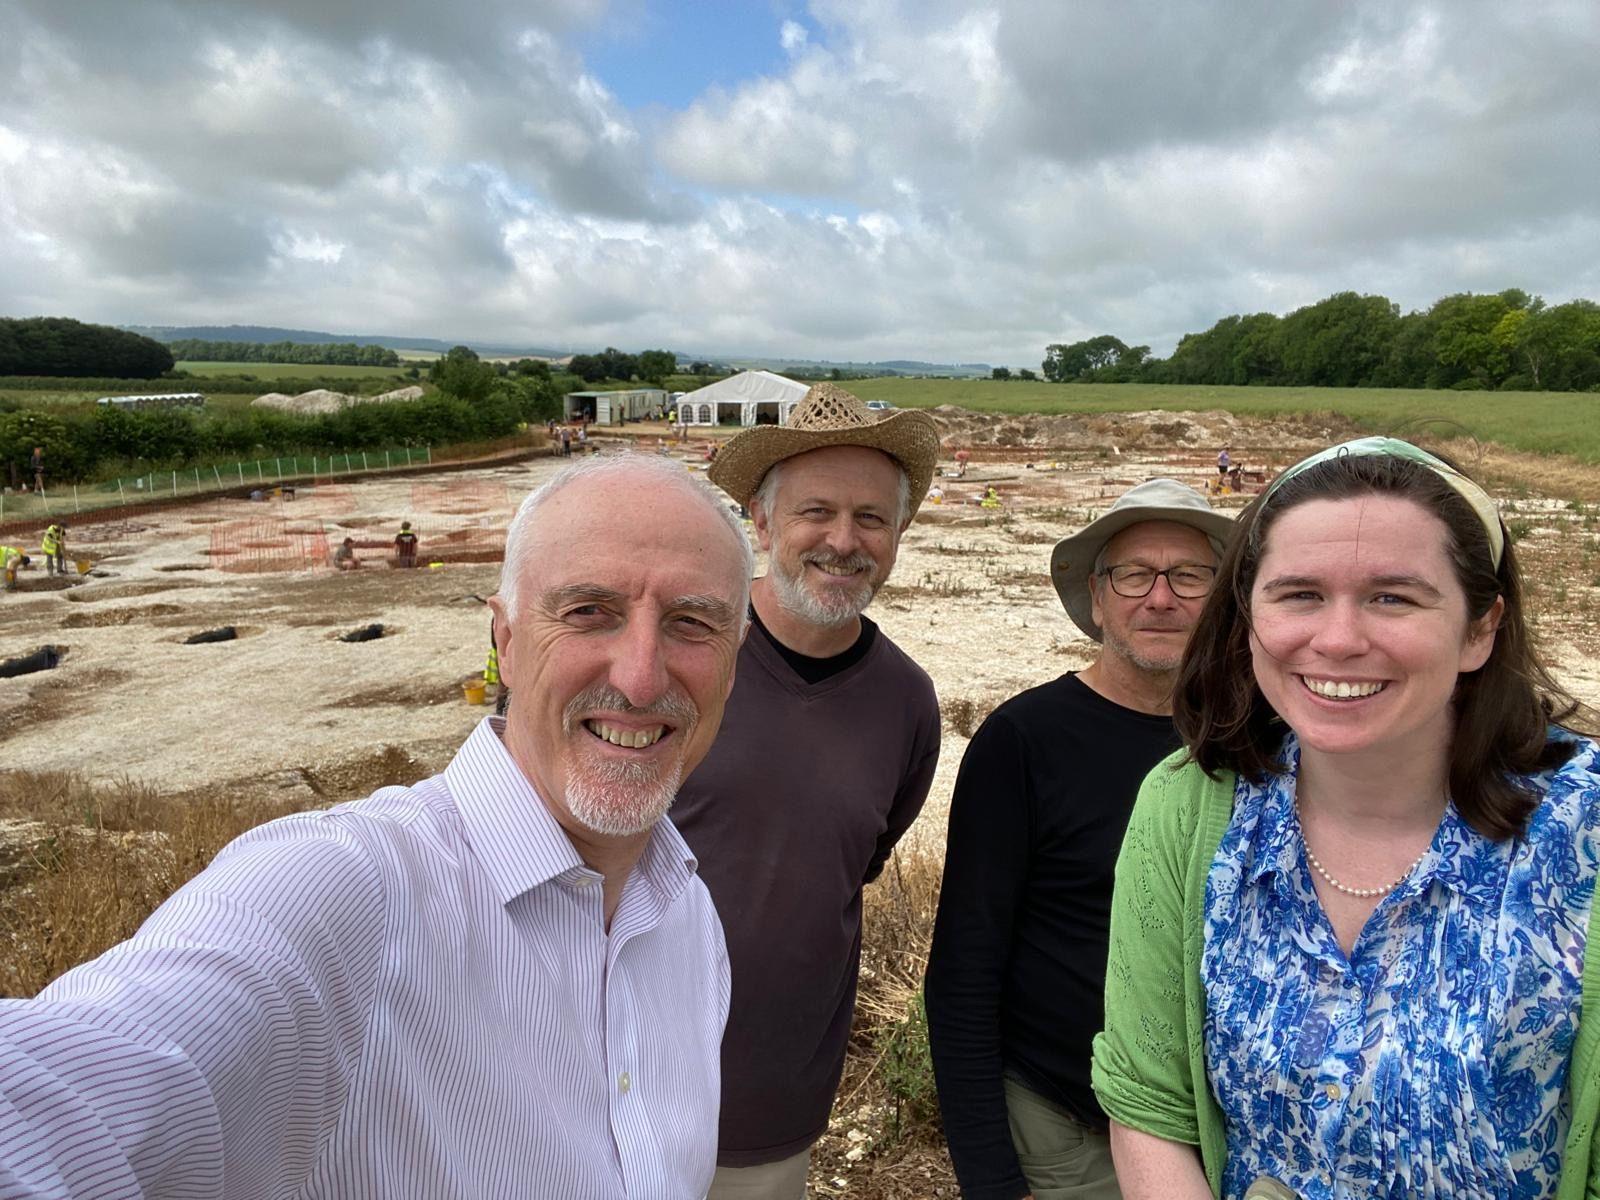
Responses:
[1072,563]
[827,415]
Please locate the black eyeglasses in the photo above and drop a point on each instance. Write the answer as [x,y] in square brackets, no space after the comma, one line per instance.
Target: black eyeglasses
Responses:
[1188,581]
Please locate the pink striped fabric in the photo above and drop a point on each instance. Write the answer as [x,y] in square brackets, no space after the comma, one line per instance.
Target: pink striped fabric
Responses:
[413,995]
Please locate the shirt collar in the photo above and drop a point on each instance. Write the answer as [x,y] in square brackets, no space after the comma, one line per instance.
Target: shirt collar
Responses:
[1277,840]
[517,840]
[1461,859]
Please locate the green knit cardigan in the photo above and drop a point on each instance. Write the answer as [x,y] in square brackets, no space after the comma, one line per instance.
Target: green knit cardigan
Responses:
[1149,1062]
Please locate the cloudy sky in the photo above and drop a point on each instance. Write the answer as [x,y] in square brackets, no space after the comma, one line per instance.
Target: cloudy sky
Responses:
[846,179]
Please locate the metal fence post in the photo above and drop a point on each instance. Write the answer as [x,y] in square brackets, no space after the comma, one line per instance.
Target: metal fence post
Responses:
[278,464]
[174,483]
[75,506]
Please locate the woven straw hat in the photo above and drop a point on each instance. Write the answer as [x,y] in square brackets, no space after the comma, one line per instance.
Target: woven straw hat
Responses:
[1072,563]
[827,415]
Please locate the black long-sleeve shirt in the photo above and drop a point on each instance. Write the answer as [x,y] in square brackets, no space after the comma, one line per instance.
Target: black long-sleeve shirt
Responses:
[1016,979]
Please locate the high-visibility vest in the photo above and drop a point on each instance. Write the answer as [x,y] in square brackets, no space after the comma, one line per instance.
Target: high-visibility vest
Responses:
[491,668]
[7,551]
[52,540]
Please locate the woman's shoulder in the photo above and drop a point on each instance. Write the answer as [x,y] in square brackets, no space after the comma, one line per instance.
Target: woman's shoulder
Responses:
[1570,793]
[1178,798]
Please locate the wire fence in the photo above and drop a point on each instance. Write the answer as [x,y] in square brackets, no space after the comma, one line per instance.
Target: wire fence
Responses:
[158,486]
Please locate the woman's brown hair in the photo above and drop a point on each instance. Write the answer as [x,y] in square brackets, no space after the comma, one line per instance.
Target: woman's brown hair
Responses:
[1502,710]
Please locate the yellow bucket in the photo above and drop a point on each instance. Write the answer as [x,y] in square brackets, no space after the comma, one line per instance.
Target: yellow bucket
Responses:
[472,691]
[84,566]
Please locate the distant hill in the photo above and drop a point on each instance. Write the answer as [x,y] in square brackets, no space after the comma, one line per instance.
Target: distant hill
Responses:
[271,333]
[312,337]
[897,366]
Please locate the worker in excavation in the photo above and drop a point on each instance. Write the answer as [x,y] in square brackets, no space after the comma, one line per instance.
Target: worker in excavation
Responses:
[405,546]
[12,559]
[491,676]
[54,547]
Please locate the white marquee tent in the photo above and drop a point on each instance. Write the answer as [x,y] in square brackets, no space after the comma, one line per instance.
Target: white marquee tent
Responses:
[753,397]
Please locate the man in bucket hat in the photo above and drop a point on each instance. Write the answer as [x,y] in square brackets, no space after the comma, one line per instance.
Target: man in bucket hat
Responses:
[1017,970]
[825,756]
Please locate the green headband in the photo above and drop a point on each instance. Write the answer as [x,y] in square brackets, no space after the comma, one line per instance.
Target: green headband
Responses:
[1388,447]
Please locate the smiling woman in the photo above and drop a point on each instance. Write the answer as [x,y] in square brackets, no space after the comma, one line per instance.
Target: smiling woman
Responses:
[1356,915]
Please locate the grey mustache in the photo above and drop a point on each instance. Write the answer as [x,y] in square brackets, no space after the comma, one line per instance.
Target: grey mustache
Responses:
[675,706]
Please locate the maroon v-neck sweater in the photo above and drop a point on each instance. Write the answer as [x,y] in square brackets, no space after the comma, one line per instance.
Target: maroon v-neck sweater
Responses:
[802,797]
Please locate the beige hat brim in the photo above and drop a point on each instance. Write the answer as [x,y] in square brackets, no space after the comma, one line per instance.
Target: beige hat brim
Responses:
[1072,562]
[910,438]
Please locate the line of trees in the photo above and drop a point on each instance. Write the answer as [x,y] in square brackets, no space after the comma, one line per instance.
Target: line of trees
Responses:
[88,441]
[651,366]
[83,442]
[59,346]
[1508,341]
[337,354]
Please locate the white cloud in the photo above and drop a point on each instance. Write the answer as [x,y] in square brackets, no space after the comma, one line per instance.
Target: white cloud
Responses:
[935,179]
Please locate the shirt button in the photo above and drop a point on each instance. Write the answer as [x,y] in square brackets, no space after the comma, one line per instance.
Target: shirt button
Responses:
[624,1083]
[1332,1091]
[583,881]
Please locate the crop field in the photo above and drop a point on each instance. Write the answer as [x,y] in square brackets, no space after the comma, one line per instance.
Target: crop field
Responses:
[1536,422]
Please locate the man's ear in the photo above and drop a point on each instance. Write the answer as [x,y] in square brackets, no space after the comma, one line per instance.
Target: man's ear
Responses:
[502,632]
[761,519]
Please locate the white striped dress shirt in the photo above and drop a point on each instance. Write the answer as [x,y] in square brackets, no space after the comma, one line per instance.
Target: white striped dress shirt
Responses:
[413,995]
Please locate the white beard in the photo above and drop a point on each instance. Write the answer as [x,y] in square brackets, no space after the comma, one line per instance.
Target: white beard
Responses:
[836,611]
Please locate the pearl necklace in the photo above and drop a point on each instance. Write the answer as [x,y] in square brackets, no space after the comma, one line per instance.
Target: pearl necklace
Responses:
[1361,893]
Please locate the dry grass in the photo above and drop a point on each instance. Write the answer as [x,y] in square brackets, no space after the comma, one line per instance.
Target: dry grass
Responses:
[95,862]
[885,1140]
[963,714]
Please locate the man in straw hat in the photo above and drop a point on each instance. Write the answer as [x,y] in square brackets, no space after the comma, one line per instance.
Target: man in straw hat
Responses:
[1017,970]
[825,756]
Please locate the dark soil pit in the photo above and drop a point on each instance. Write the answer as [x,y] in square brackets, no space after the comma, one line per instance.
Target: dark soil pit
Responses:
[469,555]
[240,632]
[186,567]
[45,658]
[375,631]
[104,617]
[220,551]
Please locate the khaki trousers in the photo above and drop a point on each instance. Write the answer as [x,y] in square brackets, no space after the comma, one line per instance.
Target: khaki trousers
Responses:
[782,1180]
[1061,1158]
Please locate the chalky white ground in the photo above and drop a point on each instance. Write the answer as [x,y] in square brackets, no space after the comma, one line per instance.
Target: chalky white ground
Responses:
[970,600]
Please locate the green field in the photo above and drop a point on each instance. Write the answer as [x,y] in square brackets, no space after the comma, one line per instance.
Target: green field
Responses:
[1538,422]
[286,371]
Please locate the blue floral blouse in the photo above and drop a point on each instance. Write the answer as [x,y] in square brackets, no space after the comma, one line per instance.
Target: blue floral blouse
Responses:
[1431,1062]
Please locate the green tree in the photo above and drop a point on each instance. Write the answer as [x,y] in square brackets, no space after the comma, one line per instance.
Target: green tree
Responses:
[1026,373]
[656,365]
[1338,342]
[1001,373]
[462,374]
